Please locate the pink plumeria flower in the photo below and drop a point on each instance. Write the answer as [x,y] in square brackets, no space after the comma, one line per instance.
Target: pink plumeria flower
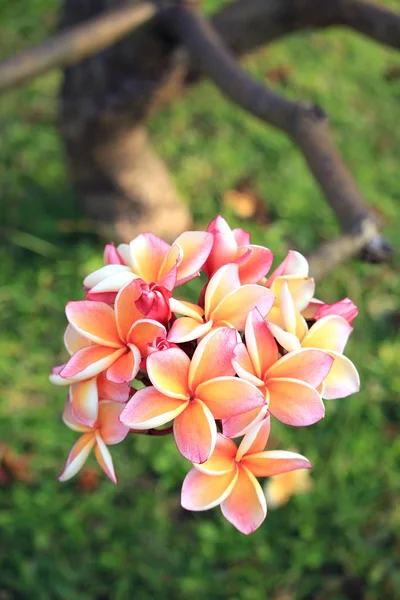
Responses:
[294,265]
[117,338]
[193,393]
[228,478]
[329,333]
[154,261]
[226,304]
[84,395]
[106,431]
[288,384]
[234,247]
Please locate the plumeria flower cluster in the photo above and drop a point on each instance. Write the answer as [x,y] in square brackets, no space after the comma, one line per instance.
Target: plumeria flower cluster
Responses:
[257,346]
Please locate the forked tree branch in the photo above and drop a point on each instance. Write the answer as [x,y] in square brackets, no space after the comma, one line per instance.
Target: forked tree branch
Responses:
[306,125]
[70,47]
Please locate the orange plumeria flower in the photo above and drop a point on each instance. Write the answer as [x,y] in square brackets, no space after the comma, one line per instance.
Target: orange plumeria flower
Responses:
[288,383]
[193,393]
[226,304]
[106,431]
[228,478]
[117,338]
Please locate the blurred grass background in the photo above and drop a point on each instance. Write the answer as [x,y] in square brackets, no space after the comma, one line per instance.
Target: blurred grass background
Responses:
[89,540]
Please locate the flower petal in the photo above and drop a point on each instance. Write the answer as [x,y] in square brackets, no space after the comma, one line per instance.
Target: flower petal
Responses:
[241,424]
[301,289]
[126,312]
[90,361]
[245,507]
[148,408]
[104,459]
[195,432]
[229,396]
[95,321]
[213,356]
[342,380]
[294,264]
[73,340]
[306,364]
[244,367]
[201,491]
[223,282]
[126,367]
[147,253]
[260,343]
[235,307]
[288,341]
[255,440]
[108,390]
[256,265]
[329,333]
[78,456]
[222,460]
[168,371]
[70,420]
[111,429]
[105,273]
[294,402]
[187,309]
[84,401]
[186,329]
[195,247]
[112,285]
[274,462]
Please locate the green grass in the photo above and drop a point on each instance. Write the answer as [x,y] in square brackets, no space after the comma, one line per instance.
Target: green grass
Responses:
[134,541]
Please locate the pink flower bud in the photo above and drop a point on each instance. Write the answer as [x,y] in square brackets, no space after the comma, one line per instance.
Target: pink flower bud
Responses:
[153,302]
[344,308]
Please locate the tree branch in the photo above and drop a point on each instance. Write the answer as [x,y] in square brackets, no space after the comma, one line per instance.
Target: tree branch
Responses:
[306,125]
[74,45]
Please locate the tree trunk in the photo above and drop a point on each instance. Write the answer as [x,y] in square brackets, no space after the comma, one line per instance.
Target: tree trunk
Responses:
[118,177]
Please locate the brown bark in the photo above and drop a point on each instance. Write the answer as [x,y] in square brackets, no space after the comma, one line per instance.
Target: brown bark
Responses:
[118,177]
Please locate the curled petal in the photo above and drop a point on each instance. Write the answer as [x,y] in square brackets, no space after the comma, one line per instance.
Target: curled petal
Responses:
[260,343]
[255,440]
[148,408]
[329,333]
[301,289]
[90,361]
[144,333]
[195,432]
[187,309]
[186,329]
[117,392]
[222,460]
[241,424]
[289,341]
[111,429]
[245,507]
[168,371]
[294,402]
[229,396]
[111,285]
[225,246]
[235,307]
[195,247]
[345,308]
[78,456]
[103,274]
[306,364]
[213,357]
[342,380]
[111,255]
[126,367]
[84,401]
[256,265]
[201,491]
[95,321]
[241,236]
[274,462]
[104,459]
